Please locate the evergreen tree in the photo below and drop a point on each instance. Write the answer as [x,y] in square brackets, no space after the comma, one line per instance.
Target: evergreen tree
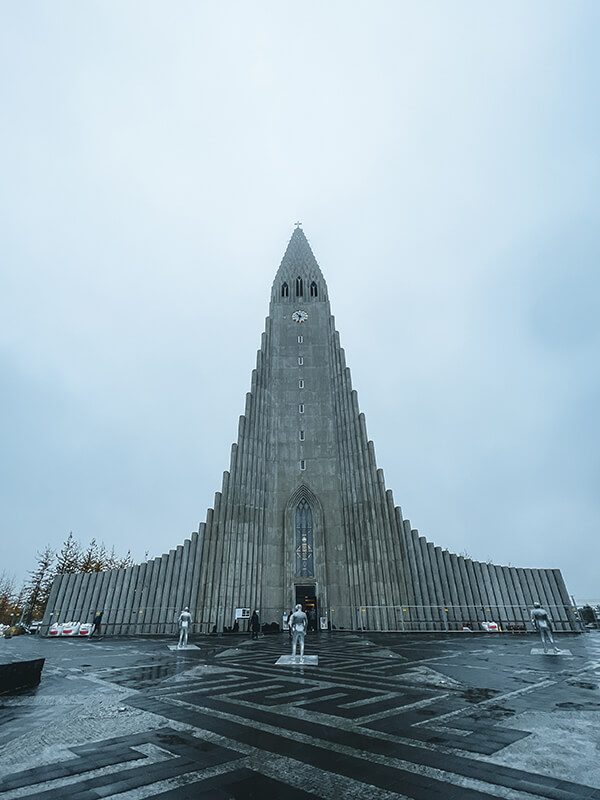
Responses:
[37,590]
[111,559]
[70,557]
[128,561]
[91,561]
[8,598]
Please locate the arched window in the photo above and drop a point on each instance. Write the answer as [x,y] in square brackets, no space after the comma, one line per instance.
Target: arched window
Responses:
[285,290]
[313,289]
[304,541]
[299,287]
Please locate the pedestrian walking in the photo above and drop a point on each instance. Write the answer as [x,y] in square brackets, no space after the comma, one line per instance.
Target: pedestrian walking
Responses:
[255,624]
[97,624]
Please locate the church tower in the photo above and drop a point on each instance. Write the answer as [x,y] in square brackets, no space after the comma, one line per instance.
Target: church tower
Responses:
[303,515]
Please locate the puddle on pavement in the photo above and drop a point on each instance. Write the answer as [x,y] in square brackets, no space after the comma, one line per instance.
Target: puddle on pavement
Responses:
[142,677]
[477,695]
[579,706]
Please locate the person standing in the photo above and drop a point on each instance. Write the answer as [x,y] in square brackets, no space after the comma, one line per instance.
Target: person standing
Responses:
[97,624]
[286,623]
[298,623]
[255,624]
[541,622]
[185,622]
[312,619]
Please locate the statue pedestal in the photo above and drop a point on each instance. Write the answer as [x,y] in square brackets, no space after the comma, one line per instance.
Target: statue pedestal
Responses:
[312,661]
[539,651]
[183,647]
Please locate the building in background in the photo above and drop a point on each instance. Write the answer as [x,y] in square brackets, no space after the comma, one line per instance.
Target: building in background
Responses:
[304,516]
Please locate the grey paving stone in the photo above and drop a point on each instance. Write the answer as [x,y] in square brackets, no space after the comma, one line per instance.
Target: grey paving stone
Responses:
[454,718]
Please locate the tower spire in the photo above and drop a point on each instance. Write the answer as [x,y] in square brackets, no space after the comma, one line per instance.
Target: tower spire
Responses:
[298,262]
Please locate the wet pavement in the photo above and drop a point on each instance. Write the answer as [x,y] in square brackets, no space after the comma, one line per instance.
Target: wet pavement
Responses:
[381,716]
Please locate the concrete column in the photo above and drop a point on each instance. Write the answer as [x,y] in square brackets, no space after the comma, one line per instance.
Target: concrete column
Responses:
[462,610]
[153,594]
[221,516]
[108,619]
[50,614]
[147,598]
[128,616]
[178,600]
[237,533]
[534,591]
[454,610]
[138,601]
[165,618]
[511,577]
[574,624]
[557,611]
[509,601]
[428,600]
[99,597]
[474,586]
[214,556]
[434,584]
[494,611]
[67,605]
[86,598]
[350,443]
[500,607]
[471,601]
[195,565]
[123,577]
[74,611]
[414,595]
[371,589]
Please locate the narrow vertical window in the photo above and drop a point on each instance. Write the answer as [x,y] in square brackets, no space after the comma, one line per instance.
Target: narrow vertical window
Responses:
[299,287]
[300,339]
[301,408]
[301,383]
[303,464]
[305,567]
[313,289]
[301,436]
[300,360]
[285,290]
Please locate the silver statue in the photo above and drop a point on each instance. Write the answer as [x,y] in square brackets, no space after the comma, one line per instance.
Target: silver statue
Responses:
[298,623]
[541,622]
[185,621]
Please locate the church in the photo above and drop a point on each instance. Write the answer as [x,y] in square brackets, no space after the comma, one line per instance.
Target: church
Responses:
[304,515]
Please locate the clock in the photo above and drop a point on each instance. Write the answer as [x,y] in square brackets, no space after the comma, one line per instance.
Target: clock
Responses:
[299,316]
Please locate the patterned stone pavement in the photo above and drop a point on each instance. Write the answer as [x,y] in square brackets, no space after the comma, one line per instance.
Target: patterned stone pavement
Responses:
[382,716]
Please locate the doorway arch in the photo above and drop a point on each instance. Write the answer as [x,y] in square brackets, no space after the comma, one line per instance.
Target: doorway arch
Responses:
[304,545]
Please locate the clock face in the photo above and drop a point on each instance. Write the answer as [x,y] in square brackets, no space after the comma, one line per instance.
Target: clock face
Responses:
[299,316]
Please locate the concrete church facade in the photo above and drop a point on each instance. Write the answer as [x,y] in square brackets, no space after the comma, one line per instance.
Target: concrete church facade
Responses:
[304,515]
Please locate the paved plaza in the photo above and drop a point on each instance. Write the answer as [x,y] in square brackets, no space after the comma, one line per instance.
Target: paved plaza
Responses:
[381,716]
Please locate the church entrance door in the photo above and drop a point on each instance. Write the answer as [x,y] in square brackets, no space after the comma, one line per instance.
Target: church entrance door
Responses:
[306,595]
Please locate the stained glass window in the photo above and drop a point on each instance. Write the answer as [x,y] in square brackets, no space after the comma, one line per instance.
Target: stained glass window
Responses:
[304,541]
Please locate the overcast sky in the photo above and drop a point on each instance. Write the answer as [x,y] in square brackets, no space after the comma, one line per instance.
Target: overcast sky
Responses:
[444,160]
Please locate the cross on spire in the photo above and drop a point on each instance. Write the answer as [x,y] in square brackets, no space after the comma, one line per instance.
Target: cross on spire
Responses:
[298,224]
